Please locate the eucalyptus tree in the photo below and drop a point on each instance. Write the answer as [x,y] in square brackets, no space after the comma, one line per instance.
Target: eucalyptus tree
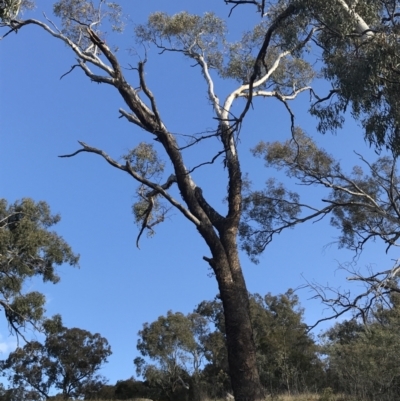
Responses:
[286,353]
[359,50]
[363,360]
[277,70]
[68,361]
[28,249]
[363,204]
[359,57]
[174,344]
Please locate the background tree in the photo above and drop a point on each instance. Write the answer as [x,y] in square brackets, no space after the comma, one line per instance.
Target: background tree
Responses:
[16,394]
[131,388]
[363,360]
[363,206]
[173,342]
[122,390]
[28,249]
[215,374]
[67,361]
[287,354]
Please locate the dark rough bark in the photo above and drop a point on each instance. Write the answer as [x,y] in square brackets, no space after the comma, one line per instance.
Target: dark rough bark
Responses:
[241,348]
[239,334]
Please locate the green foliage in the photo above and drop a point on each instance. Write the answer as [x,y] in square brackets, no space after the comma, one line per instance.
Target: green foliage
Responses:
[270,210]
[10,10]
[298,151]
[27,250]
[205,37]
[364,361]
[360,55]
[327,395]
[192,349]
[191,34]
[265,207]
[67,361]
[144,160]
[287,354]
[149,209]
[77,15]
[363,206]
[363,71]
[131,389]
[18,394]
[173,342]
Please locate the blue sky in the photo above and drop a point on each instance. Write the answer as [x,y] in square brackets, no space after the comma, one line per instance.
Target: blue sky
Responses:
[119,287]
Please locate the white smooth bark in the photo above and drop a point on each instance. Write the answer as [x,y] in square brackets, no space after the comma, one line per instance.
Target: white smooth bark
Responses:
[361,26]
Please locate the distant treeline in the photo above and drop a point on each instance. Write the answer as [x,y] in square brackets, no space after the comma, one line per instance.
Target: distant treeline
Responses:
[183,357]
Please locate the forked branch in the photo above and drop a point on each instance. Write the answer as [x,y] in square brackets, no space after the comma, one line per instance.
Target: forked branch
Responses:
[378,287]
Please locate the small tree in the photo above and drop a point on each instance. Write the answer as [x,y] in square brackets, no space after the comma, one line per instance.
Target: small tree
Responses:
[67,361]
[173,342]
[28,249]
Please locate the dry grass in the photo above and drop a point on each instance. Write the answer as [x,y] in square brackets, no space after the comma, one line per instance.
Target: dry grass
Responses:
[283,397]
[298,397]
[325,396]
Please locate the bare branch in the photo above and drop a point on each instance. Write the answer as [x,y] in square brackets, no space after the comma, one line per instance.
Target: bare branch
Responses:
[196,140]
[285,224]
[148,93]
[323,99]
[377,287]
[259,63]
[247,90]
[260,5]
[81,54]
[95,78]
[68,72]
[127,168]
[209,162]
[131,118]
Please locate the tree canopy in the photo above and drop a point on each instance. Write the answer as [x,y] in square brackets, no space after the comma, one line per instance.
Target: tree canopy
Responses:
[67,361]
[188,354]
[359,51]
[363,358]
[28,249]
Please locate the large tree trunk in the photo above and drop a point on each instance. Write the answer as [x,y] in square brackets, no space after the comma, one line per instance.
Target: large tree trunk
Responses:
[239,333]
